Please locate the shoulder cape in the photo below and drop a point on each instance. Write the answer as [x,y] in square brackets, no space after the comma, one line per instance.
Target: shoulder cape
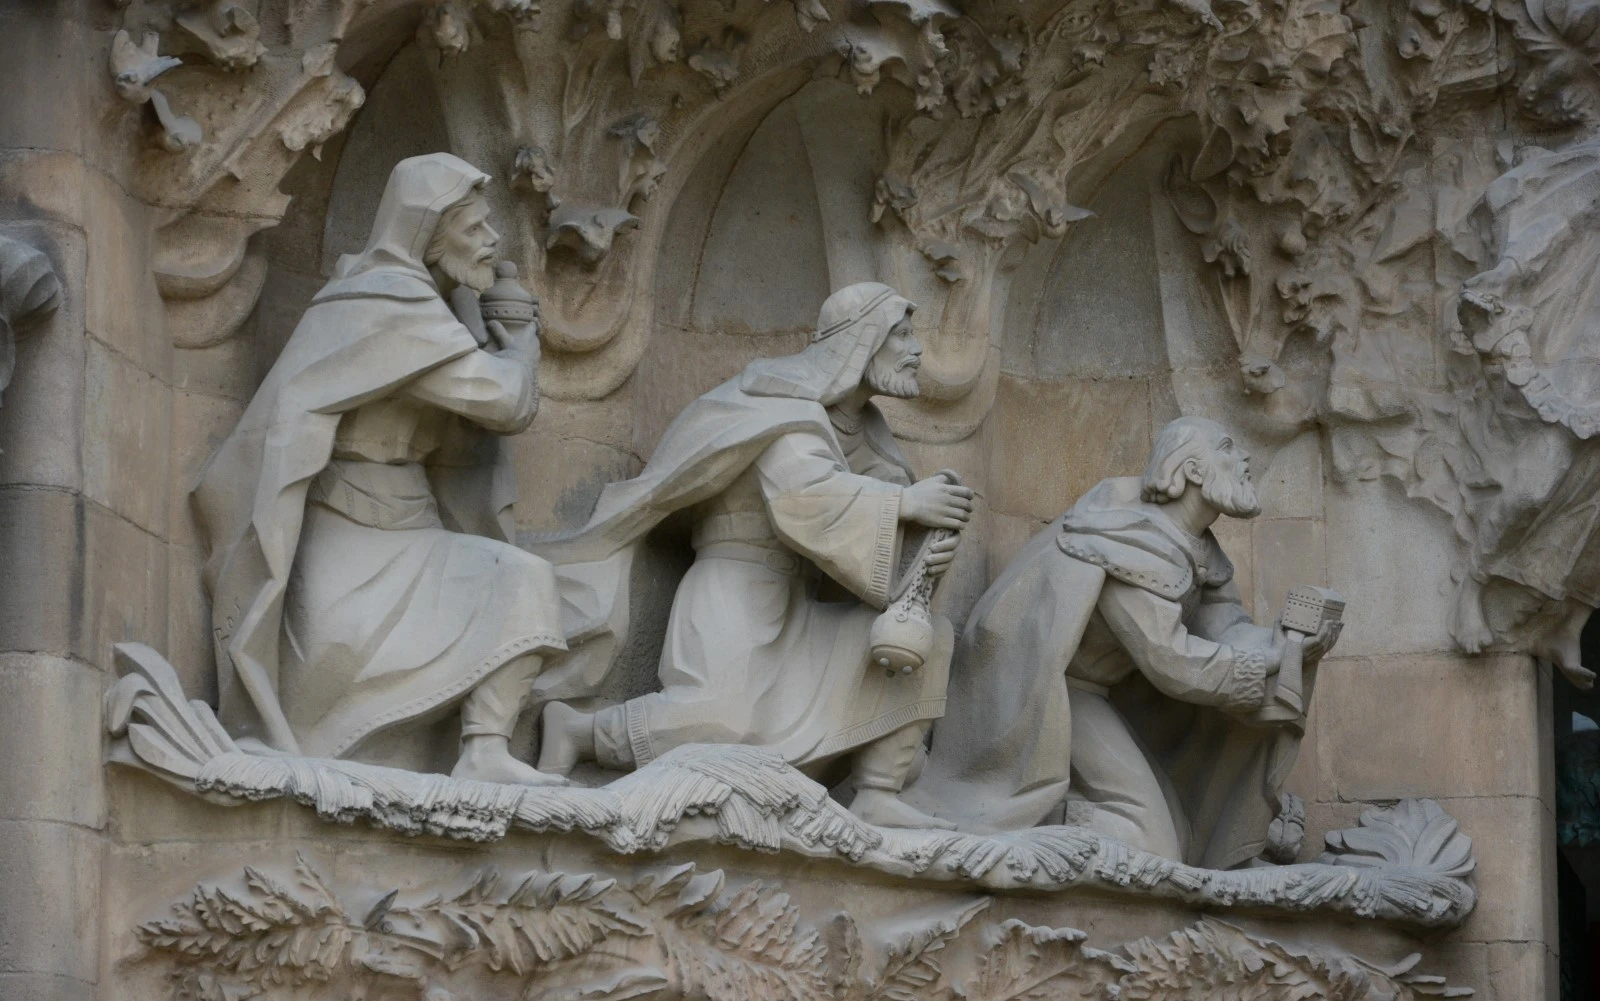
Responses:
[701,453]
[1000,757]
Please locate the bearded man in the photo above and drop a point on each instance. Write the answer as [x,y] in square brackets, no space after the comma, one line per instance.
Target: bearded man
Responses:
[358,518]
[793,485]
[1112,671]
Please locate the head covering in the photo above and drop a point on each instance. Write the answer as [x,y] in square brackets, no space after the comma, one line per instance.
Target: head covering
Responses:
[852,326]
[420,191]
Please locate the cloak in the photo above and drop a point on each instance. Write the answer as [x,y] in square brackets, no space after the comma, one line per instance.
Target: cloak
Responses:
[1000,757]
[378,324]
[705,448]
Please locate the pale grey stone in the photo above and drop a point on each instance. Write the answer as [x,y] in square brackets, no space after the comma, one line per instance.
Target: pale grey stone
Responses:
[50,740]
[51,920]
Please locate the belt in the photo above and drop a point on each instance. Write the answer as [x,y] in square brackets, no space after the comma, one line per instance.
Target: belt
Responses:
[776,560]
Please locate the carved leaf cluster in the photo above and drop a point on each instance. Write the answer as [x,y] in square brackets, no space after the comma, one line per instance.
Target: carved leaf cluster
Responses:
[751,945]
[271,934]
[676,934]
[1415,834]
[1219,962]
[543,919]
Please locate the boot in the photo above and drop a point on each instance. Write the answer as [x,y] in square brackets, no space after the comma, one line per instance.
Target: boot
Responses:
[879,773]
[487,718]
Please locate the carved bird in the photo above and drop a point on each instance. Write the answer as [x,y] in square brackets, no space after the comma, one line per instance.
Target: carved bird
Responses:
[135,67]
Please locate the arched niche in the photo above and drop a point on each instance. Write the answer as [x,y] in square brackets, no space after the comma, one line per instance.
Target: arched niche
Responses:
[775,217]
[335,194]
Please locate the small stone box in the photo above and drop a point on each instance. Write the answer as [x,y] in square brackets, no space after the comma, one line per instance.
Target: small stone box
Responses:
[1307,608]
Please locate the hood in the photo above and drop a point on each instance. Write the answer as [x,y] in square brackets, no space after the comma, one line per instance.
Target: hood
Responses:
[420,191]
[852,326]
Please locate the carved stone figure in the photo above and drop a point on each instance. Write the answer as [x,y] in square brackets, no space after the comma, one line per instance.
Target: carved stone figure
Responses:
[29,292]
[1112,666]
[1528,318]
[358,517]
[795,488]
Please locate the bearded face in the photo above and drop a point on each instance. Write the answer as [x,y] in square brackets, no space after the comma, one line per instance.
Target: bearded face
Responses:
[463,246]
[893,369]
[1226,483]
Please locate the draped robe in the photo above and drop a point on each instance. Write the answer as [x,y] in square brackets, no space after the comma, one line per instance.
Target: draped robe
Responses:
[357,519]
[1112,663]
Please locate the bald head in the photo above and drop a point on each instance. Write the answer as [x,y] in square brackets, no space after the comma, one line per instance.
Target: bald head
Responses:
[1197,452]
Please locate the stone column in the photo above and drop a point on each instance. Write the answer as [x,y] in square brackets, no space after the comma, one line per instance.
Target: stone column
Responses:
[84,433]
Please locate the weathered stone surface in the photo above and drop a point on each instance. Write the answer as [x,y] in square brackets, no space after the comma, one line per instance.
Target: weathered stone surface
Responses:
[49,739]
[127,439]
[1368,720]
[41,438]
[51,924]
[1062,437]
[1517,867]
[1391,561]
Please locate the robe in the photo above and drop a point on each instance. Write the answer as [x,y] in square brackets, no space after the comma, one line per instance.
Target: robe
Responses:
[357,519]
[783,513]
[753,654]
[1112,663]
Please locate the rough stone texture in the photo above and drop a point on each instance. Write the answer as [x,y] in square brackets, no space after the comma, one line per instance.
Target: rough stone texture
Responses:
[1325,240]
[57,865]
[48,744]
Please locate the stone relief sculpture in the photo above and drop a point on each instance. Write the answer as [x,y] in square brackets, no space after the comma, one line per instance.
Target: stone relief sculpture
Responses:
[1309,191]
[360,571]
[29,292]
[1527,319]
[1112,669]
[793,484]
[680,932]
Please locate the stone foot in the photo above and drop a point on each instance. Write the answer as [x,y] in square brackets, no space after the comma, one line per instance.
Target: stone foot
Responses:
[488,759]
[560,746]
[1562,647]
[884,809]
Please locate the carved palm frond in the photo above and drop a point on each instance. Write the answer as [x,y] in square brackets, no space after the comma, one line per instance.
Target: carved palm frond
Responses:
[269,934]
[1415,833]
[750,947]
[1028,962]
[911,968]
[542,919]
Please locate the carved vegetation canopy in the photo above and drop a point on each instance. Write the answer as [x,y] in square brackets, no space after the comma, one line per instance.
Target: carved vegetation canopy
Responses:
[1325,187]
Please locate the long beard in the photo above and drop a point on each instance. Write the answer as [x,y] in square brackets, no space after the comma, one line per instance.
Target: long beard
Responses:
[888,380]
[467,272]
[1231,492]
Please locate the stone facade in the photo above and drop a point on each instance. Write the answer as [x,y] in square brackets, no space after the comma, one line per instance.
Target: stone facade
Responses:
[1355,233]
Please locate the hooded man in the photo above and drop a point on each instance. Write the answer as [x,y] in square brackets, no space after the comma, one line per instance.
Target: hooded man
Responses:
[1112,667]
[357,518]
[793,484]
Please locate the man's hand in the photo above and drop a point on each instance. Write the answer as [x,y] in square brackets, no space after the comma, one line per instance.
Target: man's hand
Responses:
[1320,642]
[937,503]
[524,343]
[940,555]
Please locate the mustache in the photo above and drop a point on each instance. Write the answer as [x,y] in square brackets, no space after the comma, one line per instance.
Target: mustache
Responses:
[909,361]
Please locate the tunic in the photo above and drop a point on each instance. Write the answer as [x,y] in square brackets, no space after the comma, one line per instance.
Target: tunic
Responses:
[753,654]
[389,616]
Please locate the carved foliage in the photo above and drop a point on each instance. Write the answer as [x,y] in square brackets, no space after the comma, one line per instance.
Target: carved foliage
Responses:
[1408,863]
[679,933]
